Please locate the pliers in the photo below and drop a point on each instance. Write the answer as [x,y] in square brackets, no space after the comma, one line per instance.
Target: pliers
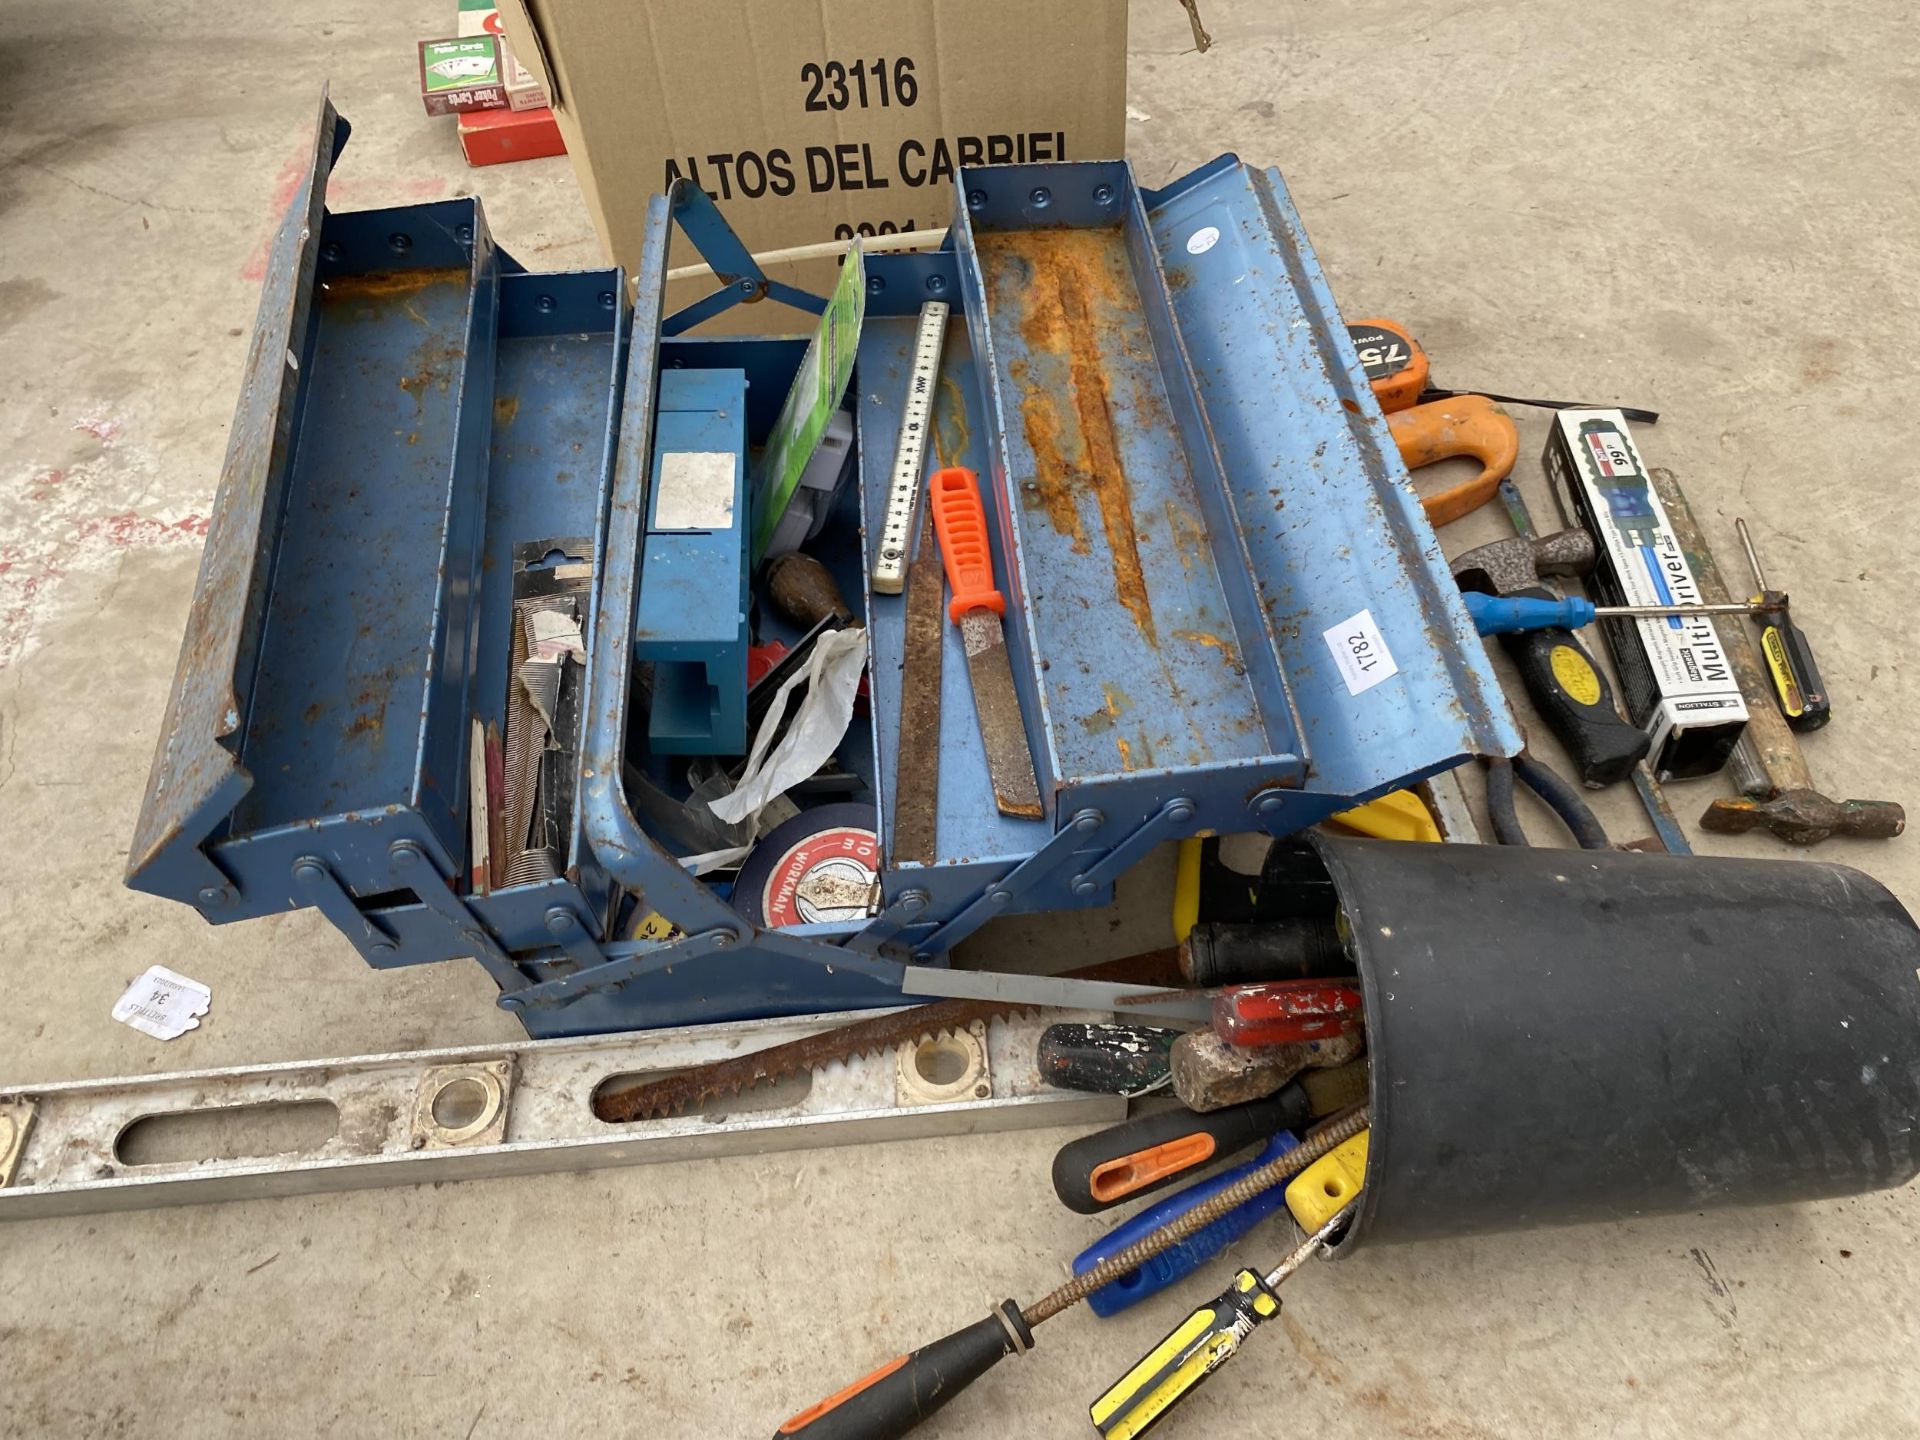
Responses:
[1558,794]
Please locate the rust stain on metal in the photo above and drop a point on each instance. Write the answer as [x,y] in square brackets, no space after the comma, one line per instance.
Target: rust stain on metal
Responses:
[950,432]
[1078,278]
[1229,652]
[1049,490]
[388,284]
[1188,533]
[505,408]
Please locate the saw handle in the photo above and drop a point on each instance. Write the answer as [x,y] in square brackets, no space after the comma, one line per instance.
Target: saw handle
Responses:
[961,523]
[1469,425]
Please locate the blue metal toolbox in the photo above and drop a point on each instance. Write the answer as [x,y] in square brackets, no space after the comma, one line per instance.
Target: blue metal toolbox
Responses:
[1225,609]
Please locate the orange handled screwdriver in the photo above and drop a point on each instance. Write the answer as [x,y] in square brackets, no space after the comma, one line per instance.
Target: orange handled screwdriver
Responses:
[1139,1156]
[894,1399]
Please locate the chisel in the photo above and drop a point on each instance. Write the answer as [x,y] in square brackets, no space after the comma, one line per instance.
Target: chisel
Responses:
[977,608]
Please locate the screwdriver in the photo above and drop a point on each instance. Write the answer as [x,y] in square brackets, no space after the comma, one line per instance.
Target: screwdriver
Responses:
[1199,1345]
[894,1399]
[1512,614]
[1796,679]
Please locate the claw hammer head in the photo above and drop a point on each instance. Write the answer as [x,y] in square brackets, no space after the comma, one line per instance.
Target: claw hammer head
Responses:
[1507,567]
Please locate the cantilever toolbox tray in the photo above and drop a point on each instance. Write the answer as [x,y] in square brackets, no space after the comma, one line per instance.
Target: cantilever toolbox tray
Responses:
[1225,609]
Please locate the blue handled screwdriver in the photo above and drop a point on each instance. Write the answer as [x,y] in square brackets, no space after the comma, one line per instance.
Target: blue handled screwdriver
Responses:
[1511,614]
[1178,1261]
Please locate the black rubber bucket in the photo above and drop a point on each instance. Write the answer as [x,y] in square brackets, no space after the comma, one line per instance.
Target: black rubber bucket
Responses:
[1563,1036]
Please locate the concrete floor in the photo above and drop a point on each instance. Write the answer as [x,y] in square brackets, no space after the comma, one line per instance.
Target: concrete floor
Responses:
[1708,210]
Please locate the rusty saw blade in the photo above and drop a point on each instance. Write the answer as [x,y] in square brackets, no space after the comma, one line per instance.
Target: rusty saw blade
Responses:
[652,1099]
[916,787]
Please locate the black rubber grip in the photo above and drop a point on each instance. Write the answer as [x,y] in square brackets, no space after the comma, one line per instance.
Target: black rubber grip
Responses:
[1573,697]
[1099,1171]
[1222,954]
[1106,1059]
[903,1392]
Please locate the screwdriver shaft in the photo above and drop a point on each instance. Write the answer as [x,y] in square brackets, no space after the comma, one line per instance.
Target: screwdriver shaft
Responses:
[1753,558]
[1652,612]
[1309,1247]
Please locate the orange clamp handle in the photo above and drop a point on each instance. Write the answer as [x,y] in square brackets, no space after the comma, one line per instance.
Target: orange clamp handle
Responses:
[961,523]
[1469,425]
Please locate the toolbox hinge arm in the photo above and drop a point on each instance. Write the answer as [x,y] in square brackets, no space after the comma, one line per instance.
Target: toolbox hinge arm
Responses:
[412,868]
[634,961]
[998,898]
[1169,822]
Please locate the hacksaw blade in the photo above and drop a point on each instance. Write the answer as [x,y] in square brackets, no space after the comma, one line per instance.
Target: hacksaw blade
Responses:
[652,1099]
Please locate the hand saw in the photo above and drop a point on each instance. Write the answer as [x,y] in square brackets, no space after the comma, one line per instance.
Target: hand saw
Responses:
[652,1099]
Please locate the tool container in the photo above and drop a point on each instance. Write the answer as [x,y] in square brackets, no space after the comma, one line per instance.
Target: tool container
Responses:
[1224,607]
[1561,1036]
[414,404]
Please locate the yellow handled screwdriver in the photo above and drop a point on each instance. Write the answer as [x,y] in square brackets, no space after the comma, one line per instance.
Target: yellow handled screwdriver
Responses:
[905,1391]
[1200,1345]
[1790,665]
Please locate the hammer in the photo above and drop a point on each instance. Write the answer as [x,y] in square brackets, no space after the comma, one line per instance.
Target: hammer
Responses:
[1566,687]
[1767,766]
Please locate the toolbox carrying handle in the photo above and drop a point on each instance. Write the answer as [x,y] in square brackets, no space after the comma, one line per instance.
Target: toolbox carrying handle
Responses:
[619,843]
[742,281]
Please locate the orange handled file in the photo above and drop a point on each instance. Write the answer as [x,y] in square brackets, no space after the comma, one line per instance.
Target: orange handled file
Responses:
[1469,425]
[961,524]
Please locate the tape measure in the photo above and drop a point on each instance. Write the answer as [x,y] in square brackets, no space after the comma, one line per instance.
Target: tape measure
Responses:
[820,867]
[1392,360]
[909,456]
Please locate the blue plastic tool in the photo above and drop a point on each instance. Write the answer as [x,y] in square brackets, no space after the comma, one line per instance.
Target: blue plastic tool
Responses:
[1194,1251]
[692,622]
[1511,614]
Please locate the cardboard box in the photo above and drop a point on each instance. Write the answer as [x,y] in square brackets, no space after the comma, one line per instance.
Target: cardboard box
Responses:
[815,120]
[524,89]
[461,75]
[1675,677]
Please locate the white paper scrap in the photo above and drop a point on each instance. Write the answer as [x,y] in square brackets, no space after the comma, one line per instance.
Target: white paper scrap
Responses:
[833,672]
[556,633]
[163,1004]
[711,860]
[1360,650]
